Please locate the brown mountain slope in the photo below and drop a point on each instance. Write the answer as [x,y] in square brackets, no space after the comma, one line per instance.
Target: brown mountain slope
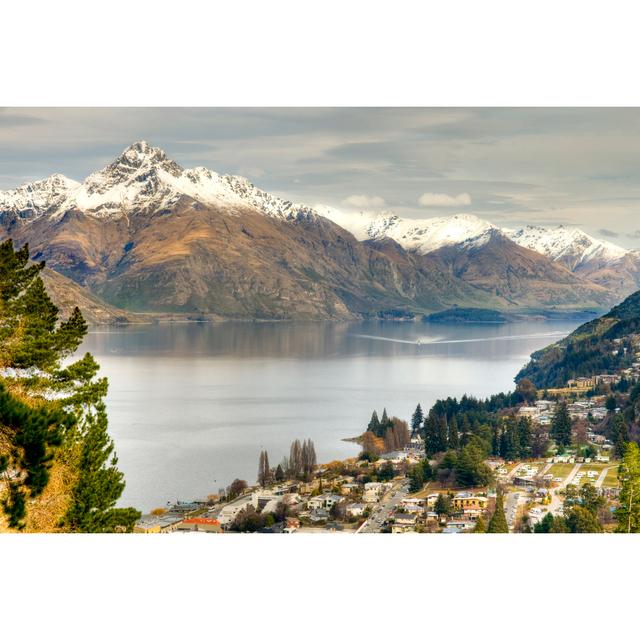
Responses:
[238,263]
[524,278]
[67,294]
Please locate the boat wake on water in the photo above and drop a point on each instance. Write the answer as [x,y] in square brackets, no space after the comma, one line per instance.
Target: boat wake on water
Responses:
[431,341]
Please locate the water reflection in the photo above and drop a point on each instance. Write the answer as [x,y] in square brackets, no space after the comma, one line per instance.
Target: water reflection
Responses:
[191,405]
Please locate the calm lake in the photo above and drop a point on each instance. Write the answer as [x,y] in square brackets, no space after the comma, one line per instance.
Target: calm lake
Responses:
[191,405]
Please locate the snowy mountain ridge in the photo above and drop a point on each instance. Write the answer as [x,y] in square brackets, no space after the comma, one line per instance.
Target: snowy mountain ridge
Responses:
[141,178]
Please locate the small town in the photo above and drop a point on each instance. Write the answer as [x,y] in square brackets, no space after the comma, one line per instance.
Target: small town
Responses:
[392,493]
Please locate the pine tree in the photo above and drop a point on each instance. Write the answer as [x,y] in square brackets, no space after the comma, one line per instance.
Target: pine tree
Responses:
[561,425]
[442,434]
[100,483]
[454,440]
[498,522]
[74,423]
[374,423]
[619,434]
[628,513]
[416,420]
[443,505]
[279,475]
[432,440]
[524,437]
[480,526]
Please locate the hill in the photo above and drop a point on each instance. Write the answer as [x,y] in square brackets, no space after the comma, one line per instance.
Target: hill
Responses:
[603,345]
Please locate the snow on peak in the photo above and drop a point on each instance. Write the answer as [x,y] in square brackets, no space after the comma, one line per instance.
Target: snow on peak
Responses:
[421,236]
[569,245]
[142,177]
[36,198]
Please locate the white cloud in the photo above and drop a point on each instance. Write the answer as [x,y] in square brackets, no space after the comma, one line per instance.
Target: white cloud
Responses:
[444,200]
[364,202]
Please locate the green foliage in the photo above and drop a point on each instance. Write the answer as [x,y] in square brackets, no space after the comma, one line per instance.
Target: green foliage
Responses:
[589,350]
[480,527]
[418,475]
[100,483]
[628,513]
[561,425]
[471,471]
[498,522]
[386,472]
[619,434]
[582,520]
[35,343]
[443,505]
[416,419]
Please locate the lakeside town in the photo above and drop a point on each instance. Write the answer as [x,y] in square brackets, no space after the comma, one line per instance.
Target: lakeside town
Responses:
[400,489]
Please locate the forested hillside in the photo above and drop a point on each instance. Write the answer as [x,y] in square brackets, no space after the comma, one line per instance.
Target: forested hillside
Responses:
[600,346]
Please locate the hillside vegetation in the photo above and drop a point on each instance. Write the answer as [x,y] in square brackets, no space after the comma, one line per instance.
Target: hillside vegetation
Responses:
[601,345]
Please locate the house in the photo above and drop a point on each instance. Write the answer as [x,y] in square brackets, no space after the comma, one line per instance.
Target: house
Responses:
[413,502]
[460,525]
[580,383]
[370,496]
[356,509]
[228,513]
[324,501]
[524,481]
[319,515]
[157,524]
[431,499]
[467,501]
[528,412]
[349,488]
[208,525]
[404,522]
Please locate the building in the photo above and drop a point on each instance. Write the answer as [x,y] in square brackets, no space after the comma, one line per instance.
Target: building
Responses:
[157,524]
[206,525]
[324,501]
[467,501]
[404,522]
[580,383]
[356,509]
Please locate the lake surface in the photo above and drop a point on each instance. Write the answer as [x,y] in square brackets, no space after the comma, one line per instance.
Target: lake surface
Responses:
[191,405]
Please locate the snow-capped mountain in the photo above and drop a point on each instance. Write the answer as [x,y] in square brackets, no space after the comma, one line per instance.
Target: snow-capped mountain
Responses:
[419,236]
[571,246]
[146,234]
[142,178]
[38,197]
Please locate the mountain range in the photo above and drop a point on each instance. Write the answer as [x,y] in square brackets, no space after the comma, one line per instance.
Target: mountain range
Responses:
[146,235]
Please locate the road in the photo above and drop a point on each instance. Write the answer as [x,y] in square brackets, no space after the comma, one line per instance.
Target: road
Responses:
[602,476]
[382,510]
[511,506]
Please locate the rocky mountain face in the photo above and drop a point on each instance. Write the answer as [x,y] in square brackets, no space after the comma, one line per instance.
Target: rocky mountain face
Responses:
[524,278]
[596,261]
[144,234]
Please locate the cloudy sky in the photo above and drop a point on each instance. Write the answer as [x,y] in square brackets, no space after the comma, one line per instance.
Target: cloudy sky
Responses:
[510,166]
